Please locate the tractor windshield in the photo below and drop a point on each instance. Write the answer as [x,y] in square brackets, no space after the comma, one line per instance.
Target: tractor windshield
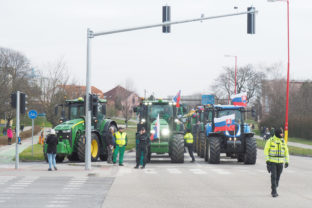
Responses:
[164,111]
[76,111]
[237,113]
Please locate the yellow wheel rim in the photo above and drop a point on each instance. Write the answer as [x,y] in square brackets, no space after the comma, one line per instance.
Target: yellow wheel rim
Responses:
[94,148]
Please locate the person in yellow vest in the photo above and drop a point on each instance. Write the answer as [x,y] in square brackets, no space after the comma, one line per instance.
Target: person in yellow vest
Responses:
[121,143]
[188,141]
[276,155]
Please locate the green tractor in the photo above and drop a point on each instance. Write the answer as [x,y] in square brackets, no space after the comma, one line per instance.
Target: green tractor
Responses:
[171,138]
[71,130]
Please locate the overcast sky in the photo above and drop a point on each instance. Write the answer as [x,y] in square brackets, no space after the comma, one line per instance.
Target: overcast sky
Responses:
[189,58]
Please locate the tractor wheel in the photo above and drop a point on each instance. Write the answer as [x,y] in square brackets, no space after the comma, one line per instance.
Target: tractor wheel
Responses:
[251,151]
[95,147]
[81,147]
[201,138]
[104,156]
[240,157]
[73,157]
[194,133]
[206,151]
[177,154]
[59,158]
[214,149]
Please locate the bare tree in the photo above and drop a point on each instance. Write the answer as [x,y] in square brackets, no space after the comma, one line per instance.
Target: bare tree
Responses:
[15,75]
[248,80]
[52,82]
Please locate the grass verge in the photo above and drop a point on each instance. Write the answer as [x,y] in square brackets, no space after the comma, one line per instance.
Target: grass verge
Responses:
[292,150]
[131,138]
[300,140]
[26,155]
[122,122]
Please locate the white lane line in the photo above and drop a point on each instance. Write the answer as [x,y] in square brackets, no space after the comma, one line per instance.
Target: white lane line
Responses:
[66,195]
[150,171]
[198,171]
[221,171]
[174,171]
[59,202]
[57,205]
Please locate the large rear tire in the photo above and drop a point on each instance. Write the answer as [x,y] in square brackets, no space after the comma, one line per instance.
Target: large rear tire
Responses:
[194,133]
[95,147]
[73,157]
[214,150]
[201,138]
[240,157]
[251,151]
[177,147]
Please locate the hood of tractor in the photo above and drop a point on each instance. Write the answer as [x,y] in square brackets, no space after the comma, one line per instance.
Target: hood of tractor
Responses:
[164,128]
[68,124]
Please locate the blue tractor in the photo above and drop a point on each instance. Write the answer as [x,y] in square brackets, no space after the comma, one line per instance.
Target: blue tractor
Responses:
[236,143]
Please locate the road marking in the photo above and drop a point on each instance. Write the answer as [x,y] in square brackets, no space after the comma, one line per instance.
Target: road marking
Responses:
[57,205]
[150,171]
[59,202]
[174,171]
[198,171]
[221,172]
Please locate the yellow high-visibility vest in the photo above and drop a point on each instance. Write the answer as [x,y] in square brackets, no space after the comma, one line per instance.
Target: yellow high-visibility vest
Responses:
[189,138]
[120,138]
[276,150]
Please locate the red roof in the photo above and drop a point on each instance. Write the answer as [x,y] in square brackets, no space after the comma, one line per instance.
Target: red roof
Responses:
[82,89]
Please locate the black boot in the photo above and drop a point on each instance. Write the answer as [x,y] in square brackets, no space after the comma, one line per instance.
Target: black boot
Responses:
[274,193]
[136,167]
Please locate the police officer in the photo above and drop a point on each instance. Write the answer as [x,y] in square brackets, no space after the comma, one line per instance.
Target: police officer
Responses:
[142,144]
[188,138]
[276,154]
[121,143]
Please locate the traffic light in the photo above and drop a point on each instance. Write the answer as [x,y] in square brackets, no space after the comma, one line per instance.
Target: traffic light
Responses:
[23,103]
[13,100]
[166,18]
[251,21]
[93,101]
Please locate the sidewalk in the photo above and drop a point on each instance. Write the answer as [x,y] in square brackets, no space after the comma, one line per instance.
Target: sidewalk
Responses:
[7,152]
[294,144]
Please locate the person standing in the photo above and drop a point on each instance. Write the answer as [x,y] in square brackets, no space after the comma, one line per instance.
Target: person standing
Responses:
[51,150]
[142,144]
[276,155]
[188,138]
[121,143]
[10,135]
[110,142]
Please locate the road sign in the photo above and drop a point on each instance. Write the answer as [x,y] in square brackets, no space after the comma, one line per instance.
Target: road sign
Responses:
[32,114]
[207,99]
[41,114]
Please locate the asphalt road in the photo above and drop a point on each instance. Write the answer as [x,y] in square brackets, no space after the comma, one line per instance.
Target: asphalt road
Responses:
[161,184]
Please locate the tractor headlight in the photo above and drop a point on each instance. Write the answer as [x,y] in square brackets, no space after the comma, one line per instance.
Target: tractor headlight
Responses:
[152,131]
[143,120]
[66,131]
[56,131]
[150,103]
[165,132]
[177,121]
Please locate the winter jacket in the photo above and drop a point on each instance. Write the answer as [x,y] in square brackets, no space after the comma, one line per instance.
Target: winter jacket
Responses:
[52,142]
[110,139]
[10,133]
[143,140]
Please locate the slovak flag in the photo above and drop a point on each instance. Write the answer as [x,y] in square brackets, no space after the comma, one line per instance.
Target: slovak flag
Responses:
[156,132]
[177,98]
[225,123]
[239,99]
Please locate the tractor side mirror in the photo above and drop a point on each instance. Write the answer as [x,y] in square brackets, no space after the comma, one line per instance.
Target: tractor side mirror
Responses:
[104,109]
[56,110]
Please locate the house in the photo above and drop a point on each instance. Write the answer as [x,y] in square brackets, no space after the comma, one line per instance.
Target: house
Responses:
[75,91]
[122,96]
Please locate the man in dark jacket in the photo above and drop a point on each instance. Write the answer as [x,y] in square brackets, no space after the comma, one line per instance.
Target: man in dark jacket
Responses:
[51,150]
[110,143]
[142,144]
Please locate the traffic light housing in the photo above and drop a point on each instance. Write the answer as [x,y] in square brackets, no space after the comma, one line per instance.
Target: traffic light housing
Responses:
[166,18]
[23,103]
[93,100]
[13,100]
[251,21]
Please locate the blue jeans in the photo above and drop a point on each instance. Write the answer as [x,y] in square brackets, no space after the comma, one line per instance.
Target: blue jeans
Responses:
[51,159]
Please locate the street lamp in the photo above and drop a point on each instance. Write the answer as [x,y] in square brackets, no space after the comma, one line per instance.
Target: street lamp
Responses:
[288,58]
[235,70]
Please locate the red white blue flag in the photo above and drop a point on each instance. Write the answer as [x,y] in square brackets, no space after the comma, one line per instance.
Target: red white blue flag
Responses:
[177,98]
[156,130]
[239,99]
[225,123]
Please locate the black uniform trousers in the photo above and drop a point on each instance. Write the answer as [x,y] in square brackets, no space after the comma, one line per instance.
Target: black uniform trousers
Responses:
[276,171]
[141,151]
[190,150]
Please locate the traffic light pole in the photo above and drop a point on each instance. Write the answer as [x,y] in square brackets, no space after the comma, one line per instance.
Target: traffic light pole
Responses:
[91,34]
[17,127]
